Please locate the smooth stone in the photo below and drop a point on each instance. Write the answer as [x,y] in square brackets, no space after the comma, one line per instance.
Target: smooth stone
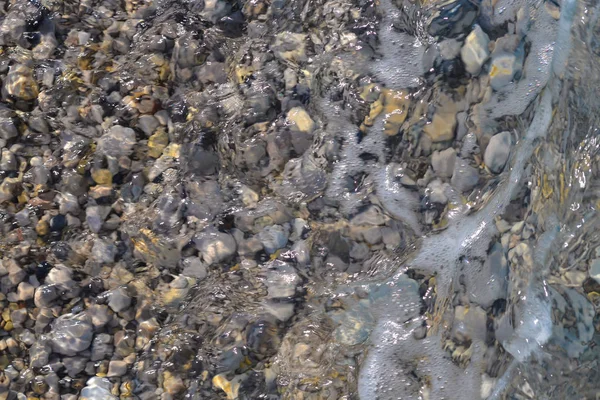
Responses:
[118,299]
[475,52]
[273,238]
[443,162]
[595,269]
[116,368]
[71,334]
[464,177]
[193,267]
[117,142]
[449,48]
[497,152]
[215,246]
[97,388]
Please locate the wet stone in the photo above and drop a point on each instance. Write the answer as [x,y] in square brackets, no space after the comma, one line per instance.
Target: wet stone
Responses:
[497,151]
[71,334]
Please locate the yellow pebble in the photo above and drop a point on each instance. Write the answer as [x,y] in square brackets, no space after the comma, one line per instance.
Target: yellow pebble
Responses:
[222,383]
[42,228]
[157,143]
[102,177]
[300,119]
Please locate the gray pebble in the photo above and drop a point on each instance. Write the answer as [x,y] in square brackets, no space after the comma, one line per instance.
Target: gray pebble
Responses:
[71,333]
[102,347]
[117,142]
[97,388]
[148,124]
[464,177]
[497,152]
[104,252]
[273,238]
[193,267]
[443,162]
[215,246]
[118,299]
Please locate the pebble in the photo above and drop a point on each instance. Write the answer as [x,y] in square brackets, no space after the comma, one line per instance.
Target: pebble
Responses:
[300,120]
[449,48]
[193,267]
[117,142]
[97,388]
[71,334]
[497,152]
[104,252]
[215,247]
[595,269]
[19,83]
[274,238]
[475,51]
[443,162]
[442,127]
[118,299]
[464,177]
[117,368]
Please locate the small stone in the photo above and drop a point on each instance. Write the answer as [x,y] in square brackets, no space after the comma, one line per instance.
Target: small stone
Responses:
[464,177]
[42,228]
[71,333]
[102,347]
[97,388]
[172,384]
[104,252]
[74,365]
[95,217]
[148,124]
[193,267]
[119,300]
[215,247]
[300,120]
[100,315]
[273,238]
[39,354]
[19,83]
[497,152]
[58,223]
[449,48]
[443,162]
[68,203]
[442,126]
[595,269]
[290,46]
[117,142]
[116,368]
[249,196]
[102,177]
[157,143]
[25,291]
[475,52]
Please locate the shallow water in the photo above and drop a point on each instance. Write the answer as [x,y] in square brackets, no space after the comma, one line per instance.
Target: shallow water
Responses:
[299,200]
